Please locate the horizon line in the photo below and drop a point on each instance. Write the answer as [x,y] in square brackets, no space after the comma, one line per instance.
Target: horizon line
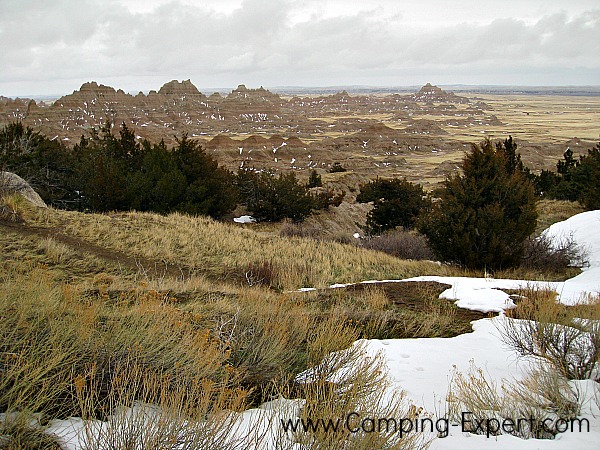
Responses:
[466,86]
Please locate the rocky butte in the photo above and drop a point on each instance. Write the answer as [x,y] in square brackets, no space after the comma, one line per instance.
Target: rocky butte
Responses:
[409,135]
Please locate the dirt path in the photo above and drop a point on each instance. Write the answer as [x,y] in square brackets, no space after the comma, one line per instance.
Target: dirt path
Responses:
[151,268]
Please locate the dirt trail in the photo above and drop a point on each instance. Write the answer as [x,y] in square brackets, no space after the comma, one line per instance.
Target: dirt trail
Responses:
[151,268]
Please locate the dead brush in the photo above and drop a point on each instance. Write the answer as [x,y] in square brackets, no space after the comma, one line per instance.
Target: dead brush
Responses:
[350,385]
[261,273]
[401,244]
[542,394]
[23,431]
[544,255]
[302,230]
[150,409]
[554,333]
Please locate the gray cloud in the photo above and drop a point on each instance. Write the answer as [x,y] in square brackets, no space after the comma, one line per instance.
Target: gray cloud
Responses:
[45,44]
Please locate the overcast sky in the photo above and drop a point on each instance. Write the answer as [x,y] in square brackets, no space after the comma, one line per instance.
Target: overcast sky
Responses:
[53,46]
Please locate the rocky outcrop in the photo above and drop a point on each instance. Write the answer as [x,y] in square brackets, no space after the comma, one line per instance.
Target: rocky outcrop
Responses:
[431,93]
[179,89]
[11,183]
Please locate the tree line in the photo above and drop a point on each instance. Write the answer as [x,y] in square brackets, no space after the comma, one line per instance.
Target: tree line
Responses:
[115,172]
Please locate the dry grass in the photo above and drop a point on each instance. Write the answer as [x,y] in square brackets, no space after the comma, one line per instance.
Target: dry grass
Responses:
[552,211]
[11,207]
[152,364]
[395,310]
[217,248]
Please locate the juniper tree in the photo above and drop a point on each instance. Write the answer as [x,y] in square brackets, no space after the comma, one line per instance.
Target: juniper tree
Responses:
[484,215]
[272,198]
[395,203]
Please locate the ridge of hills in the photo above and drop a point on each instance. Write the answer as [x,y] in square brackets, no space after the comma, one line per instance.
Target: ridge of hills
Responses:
[412,135]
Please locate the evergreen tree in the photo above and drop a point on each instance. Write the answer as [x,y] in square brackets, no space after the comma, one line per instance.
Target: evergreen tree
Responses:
[395,203]
[272,198]
[158,185]
[545,183]
[565,187]
[210,189]
[483,216]
[586,178]
[314,180]
[45,164]
[513,159]
[103,163]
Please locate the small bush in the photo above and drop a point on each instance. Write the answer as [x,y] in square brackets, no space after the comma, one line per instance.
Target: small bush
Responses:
[542,254]
[396,203]
[152,410]
[542,394]
[336,168]
[273,198]
[343,238]
[298,229]
[263,273]
[314,180]
[350,380]
[402,244]
[23,431]
[554,333]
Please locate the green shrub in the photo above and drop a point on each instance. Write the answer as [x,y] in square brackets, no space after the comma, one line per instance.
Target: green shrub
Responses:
[314,180]
[395,203]
[574,180]
[482,217]
[271,198]
[337,167]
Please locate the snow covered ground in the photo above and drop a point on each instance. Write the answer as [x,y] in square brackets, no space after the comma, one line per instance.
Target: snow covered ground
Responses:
[423,367]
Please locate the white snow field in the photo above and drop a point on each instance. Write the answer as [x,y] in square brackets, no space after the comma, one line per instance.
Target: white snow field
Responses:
[423,367]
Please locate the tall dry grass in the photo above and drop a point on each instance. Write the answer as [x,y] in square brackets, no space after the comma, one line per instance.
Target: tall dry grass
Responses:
[220,249]
[145,369]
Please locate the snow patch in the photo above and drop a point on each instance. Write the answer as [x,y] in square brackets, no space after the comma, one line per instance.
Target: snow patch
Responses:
[244,219]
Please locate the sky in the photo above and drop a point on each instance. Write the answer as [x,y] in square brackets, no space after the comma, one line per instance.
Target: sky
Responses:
[53,46]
